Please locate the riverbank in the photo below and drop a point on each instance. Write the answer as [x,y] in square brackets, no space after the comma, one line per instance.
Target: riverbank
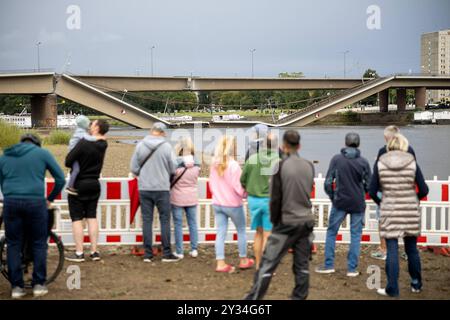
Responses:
[121,275]
[349,118]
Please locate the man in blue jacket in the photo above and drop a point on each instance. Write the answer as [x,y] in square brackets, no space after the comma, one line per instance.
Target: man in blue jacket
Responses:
[350,174]
[22,182]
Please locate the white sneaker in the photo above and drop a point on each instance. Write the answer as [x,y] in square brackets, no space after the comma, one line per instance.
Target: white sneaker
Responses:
[353,274]
[193,253]
[382,292]
[178,255]
[18,292]
[39,290]
[413,290]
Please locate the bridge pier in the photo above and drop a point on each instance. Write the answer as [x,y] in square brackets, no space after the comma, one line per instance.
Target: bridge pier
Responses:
[420,97]
[44,111]
[383,97]
[401,99]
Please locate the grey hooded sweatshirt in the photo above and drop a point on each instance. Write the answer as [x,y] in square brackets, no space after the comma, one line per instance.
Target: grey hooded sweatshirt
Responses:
[156,173]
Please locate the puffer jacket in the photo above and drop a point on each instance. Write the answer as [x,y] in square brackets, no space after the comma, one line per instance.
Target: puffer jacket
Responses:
[399,208]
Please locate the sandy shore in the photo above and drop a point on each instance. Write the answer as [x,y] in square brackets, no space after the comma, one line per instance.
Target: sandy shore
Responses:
[117,159]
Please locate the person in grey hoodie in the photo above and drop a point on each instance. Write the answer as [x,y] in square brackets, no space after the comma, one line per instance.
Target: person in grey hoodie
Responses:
[154,163]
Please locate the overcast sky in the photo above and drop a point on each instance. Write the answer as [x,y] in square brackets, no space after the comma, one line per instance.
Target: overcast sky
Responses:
[214,38]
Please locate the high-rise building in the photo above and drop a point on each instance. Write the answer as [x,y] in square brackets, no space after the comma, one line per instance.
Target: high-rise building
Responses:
[435,59]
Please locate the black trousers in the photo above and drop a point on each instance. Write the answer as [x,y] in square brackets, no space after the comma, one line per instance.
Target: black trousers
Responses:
[283,237]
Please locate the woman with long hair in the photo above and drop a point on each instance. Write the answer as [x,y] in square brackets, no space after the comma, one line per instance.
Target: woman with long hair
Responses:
[227,199]
[184,196]
[396,175]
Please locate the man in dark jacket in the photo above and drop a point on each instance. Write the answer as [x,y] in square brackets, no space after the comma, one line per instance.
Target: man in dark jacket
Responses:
[90,156]
[22,182]
[346,184]
[292,219]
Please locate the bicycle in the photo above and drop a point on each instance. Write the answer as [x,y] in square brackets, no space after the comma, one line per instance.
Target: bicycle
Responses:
[55,260]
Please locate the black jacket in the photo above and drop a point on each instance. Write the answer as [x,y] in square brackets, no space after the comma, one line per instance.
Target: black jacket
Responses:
[90,156]
[375,186]
[383,150]
[350,174]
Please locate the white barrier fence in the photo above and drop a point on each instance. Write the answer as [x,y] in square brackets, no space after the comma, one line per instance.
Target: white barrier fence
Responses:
[115,227]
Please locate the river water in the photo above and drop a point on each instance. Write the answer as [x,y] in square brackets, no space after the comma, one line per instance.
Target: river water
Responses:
[319,144]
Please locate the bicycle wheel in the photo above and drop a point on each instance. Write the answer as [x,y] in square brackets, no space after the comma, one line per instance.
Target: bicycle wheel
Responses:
[55,261]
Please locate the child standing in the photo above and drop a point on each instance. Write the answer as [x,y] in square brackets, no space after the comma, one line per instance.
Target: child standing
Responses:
[81,132]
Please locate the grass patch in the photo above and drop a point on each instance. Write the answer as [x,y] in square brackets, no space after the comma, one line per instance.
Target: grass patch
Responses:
[57,137]
[9,135]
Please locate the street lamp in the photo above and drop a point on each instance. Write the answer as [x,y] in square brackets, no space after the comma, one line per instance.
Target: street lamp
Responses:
[151,59]
[38,58]
[252,51]
[345,67]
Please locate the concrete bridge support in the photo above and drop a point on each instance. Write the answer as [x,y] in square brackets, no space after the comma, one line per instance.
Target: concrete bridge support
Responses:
[44,111]
[383,97]
[401,99]
[420,97]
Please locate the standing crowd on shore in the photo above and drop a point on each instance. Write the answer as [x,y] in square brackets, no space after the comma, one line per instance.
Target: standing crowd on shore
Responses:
[275,179]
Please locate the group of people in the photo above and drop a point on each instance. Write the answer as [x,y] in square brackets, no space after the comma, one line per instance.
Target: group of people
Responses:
[23,167]
[275,179]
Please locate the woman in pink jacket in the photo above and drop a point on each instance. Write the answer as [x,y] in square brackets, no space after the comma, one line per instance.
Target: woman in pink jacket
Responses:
[227,196]
[184,196]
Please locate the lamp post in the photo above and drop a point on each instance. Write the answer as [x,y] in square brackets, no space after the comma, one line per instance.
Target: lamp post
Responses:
[345,56]
[151,59]
[252,51]
[38,57]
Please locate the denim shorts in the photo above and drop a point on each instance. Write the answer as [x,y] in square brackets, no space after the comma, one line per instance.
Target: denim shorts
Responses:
[259,213]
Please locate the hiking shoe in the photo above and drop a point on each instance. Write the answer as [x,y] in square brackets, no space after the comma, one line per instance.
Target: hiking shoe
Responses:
[193,253]
[170,258]
[324,270]
[18,292]
[74,257]
[379,255]
[95,256]
[404,256]
[179,255]
[353,274]
[72,191]
[148,260]
[39,290]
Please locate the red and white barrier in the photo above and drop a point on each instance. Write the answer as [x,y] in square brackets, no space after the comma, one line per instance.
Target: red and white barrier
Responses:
[117,189]
[116,228]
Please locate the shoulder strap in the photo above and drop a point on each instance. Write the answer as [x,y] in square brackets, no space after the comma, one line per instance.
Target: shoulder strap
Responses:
[150,155]
[174,182]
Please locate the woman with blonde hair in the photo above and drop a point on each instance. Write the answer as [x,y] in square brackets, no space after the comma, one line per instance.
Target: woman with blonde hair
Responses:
[396,175]
[184,196]
[227,199]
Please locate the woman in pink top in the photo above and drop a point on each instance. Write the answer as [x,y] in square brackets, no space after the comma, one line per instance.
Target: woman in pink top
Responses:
[227,196]
[184,196]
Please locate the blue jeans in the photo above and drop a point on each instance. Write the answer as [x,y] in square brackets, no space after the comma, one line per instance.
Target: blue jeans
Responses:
[334,222]
[26,219]
[237,215]
[160,199]
[392,269]
[191,216]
